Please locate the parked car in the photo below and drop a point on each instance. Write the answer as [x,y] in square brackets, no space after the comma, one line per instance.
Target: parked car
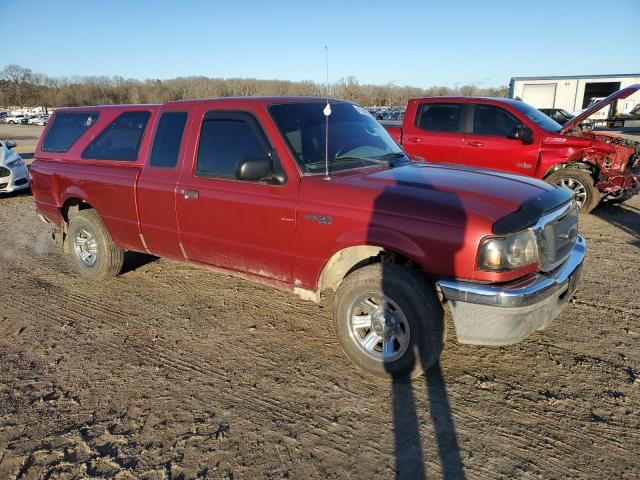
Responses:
[13,171]
[249,187]
[38,120]
[558,114]
[635,112]
[512,136]
[14,119]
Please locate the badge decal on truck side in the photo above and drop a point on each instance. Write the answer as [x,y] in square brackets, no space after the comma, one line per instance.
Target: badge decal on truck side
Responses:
[321,219]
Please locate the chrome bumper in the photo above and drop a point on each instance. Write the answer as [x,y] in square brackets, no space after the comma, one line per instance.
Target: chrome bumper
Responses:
[505,314]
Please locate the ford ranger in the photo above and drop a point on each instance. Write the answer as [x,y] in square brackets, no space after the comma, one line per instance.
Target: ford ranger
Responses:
[512,136]
[311,196]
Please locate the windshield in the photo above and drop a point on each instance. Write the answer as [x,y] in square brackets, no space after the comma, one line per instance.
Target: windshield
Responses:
[356,139]
[543,121]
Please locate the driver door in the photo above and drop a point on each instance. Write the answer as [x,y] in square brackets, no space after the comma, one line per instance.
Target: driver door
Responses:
[487,144]
[238,225]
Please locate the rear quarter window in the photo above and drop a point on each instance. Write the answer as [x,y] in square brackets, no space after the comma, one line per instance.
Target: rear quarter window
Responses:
[439,117]
[121,140]
[66,129]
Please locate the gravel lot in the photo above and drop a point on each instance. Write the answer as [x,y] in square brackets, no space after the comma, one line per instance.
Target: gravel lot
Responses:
[170,371]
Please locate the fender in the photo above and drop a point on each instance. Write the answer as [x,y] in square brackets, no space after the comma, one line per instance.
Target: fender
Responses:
[72,192]
[350,251]
[551,160]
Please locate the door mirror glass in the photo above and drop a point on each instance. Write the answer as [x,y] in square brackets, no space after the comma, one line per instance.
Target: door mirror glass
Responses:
[254,169]
[522,133]
[10,144]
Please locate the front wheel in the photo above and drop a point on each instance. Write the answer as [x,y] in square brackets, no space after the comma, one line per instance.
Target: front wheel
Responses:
[580,182]
[389,321]
[93,251]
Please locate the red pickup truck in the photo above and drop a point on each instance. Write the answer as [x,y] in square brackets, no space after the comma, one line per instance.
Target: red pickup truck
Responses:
[311,196]
[512,136]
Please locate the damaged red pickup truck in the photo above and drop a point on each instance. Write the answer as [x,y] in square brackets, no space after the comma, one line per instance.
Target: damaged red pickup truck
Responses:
[251,187]
[512,136]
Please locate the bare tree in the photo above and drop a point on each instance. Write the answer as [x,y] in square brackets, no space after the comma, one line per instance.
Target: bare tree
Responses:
[19,80]
[20,86]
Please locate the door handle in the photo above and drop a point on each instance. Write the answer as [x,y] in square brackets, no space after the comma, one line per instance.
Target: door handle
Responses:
[190,194]
[415,139]
[474,144]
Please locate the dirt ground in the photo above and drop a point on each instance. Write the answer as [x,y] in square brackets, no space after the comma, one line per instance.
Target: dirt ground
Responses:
[174,372]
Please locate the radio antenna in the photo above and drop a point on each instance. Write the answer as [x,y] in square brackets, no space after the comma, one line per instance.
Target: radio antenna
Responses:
[327,112]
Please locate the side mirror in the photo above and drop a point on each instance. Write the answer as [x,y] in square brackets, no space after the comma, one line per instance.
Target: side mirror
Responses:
[10,144]
[522,133]
[254,169]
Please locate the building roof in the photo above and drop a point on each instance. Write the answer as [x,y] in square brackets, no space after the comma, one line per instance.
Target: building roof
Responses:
[574,77]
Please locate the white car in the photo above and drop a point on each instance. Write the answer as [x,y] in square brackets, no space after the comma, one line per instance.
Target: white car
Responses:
[39,120]
[13,171]
[11,119]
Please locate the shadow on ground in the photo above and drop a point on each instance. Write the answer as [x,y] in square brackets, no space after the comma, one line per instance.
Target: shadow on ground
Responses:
[625,217]
[135,260]
[409,461]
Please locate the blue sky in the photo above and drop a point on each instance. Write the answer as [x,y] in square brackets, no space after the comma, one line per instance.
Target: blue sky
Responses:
[419,43]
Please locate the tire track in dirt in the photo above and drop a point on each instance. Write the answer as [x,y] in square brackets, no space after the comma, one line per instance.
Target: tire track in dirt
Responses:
[74,307]
[258,377]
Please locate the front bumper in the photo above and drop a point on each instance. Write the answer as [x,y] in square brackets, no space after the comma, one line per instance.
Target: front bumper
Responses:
[18,179]
[505,314]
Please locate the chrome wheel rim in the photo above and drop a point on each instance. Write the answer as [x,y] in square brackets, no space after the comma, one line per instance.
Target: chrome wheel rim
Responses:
[578,189]
[85,247]
[379,327]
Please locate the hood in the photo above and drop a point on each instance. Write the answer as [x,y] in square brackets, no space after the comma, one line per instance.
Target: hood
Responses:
[7,155]
[620,94]
[447,193]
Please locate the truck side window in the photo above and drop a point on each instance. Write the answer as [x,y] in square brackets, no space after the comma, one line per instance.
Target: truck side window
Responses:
[120,140]
[224,141]
[167,140]
[490,120]
[439,117]
[66,129]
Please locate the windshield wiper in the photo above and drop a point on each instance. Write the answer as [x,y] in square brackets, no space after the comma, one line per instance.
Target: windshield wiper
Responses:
[378,161]
[386,159]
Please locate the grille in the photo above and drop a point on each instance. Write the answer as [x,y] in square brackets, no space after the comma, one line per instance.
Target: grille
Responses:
[3,186]
[557,236]
[4,172]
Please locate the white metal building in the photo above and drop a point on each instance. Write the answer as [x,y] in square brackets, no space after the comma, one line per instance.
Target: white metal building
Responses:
[573,93]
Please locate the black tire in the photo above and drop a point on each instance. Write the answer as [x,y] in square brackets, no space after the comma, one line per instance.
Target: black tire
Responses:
[420,309]
[592,195]
[108,259]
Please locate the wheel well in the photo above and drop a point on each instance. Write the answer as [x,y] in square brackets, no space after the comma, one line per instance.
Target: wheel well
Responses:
[350,259]
[72,206]
[578,165]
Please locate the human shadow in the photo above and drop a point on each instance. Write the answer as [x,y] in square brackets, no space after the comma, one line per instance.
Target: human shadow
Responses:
[408,191]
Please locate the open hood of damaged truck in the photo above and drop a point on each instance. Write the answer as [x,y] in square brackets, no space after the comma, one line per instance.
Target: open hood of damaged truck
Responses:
[620,94]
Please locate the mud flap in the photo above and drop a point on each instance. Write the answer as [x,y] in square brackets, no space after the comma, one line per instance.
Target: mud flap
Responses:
[59,236]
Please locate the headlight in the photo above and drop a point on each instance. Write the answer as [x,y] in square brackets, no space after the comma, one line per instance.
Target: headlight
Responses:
[16,163]
[508,252]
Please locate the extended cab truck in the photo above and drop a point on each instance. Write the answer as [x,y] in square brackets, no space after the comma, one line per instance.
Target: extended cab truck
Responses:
[241,185]
[512,136]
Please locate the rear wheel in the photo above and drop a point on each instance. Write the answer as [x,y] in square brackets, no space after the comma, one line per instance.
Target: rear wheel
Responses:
[93,252]
[389,321]
[581,184]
